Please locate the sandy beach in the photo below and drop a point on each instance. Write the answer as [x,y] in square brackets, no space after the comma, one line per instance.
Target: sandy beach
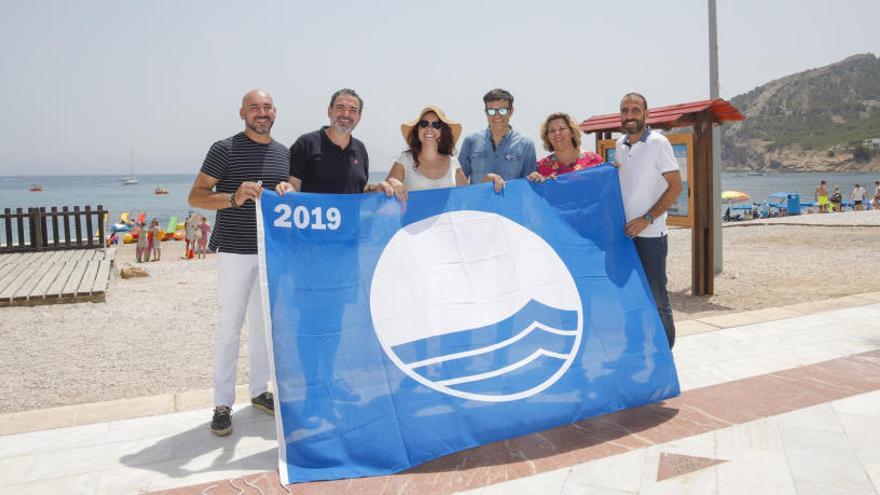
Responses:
[153,335]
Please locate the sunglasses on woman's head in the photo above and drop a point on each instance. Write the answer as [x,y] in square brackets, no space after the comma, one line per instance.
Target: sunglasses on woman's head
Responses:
[424,123]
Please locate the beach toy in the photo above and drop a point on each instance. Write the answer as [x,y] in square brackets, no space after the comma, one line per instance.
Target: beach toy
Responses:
[128,238]
[123,217]
[141,217]
[172,224]
[120,227]
[181,226]
[178,236]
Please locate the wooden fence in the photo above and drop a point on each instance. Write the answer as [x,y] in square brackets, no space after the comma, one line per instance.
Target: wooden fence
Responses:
[39,230]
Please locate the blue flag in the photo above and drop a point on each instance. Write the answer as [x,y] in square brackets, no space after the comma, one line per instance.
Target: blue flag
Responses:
[406,331]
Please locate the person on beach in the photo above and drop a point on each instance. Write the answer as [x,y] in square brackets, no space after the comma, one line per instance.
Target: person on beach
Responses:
[497,153]
[331,161]
[858,196]
[876,201]
[149,251]
[836,199]
[204,230]
[196,240]
[562,138]
[187,235]
[141,250]
[650,182]
[156,248]
[429,162]
[232,176]
[821,196]
[192,221]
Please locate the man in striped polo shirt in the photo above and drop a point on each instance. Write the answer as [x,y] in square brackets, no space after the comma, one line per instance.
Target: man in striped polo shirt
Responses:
[233,175]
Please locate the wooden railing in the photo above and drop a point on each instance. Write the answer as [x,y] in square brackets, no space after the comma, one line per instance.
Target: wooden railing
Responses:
[39,230]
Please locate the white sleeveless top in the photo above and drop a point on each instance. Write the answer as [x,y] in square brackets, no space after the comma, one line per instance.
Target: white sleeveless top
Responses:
[415,181]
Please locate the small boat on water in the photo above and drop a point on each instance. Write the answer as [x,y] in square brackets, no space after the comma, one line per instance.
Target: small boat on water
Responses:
[161,190]
[35,188]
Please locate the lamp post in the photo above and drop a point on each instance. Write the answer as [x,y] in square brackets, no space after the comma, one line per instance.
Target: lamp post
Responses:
[714,92]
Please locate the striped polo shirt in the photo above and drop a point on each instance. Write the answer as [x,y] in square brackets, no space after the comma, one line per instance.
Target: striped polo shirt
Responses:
[235,160]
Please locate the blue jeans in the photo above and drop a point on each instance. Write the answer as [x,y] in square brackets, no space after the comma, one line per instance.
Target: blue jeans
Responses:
[652,253]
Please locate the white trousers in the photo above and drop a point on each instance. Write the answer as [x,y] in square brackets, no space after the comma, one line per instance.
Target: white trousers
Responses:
[238,279]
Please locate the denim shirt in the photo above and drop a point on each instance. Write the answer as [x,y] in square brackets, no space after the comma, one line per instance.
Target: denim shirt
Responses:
[513,158]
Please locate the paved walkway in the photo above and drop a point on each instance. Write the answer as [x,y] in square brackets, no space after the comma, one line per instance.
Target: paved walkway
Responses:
[785,400]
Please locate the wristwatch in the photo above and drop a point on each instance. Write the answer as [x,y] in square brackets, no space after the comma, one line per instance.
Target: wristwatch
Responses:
[648,217]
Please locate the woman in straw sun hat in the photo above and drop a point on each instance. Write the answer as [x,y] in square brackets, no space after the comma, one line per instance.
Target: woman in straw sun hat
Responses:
[429,162]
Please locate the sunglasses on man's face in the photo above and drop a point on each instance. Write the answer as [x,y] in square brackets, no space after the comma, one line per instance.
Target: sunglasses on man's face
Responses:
[425,123]
[500,111]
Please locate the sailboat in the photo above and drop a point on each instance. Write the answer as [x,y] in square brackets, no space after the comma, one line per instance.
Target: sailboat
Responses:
[131,179]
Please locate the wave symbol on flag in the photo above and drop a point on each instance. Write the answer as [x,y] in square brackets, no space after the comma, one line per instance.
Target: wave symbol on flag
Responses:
[487,360]
[474,305]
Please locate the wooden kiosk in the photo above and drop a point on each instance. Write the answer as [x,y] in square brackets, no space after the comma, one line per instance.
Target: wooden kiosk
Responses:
[694,153]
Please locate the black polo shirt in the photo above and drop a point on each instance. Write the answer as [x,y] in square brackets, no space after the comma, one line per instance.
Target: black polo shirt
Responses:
[324,167]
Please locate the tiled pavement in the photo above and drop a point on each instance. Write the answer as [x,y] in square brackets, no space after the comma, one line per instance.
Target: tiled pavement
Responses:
[782,400]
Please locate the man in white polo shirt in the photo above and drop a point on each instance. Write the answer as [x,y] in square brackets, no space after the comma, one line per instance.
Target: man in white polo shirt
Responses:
[650,183]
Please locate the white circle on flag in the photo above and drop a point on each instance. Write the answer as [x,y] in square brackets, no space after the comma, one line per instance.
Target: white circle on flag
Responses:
[474,305]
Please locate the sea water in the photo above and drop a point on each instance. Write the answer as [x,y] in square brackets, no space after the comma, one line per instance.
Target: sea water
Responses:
[108,191]
[760,187]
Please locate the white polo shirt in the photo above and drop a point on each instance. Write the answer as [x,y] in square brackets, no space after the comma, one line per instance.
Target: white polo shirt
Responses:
[642,166]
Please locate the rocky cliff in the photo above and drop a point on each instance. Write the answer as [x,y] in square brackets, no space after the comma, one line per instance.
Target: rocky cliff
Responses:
[813,121]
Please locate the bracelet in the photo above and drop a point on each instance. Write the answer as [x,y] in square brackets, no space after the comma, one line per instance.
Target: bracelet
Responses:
[232,202]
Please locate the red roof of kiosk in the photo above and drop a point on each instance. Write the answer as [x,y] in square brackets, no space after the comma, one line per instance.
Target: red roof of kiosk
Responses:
[668,116]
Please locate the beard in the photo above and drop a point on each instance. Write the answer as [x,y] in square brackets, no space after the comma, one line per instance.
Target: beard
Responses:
[633,126]
[342,128]
[261,127]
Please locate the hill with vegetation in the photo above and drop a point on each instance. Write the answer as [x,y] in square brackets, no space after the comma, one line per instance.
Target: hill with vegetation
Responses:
[814,121]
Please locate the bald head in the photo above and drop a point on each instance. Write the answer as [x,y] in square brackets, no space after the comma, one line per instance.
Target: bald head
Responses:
[255,94]
[258,113]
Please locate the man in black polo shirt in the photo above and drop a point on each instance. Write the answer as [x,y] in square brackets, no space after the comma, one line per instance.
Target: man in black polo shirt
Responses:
[330,161]
[229,182]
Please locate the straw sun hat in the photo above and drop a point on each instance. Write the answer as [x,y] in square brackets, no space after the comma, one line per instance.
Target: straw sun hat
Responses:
[455,127]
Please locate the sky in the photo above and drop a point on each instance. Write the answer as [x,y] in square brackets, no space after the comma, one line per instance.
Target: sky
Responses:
[86,82]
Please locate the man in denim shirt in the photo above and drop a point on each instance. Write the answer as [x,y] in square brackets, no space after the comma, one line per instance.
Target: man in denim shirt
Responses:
[498,150]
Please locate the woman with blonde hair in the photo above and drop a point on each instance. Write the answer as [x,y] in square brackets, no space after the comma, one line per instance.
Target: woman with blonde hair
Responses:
[562,138]
[429,162]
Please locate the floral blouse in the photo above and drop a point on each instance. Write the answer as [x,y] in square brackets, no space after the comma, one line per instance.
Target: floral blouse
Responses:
[550,165]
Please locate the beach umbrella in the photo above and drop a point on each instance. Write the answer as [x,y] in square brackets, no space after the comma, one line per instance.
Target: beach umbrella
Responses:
[735,196]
